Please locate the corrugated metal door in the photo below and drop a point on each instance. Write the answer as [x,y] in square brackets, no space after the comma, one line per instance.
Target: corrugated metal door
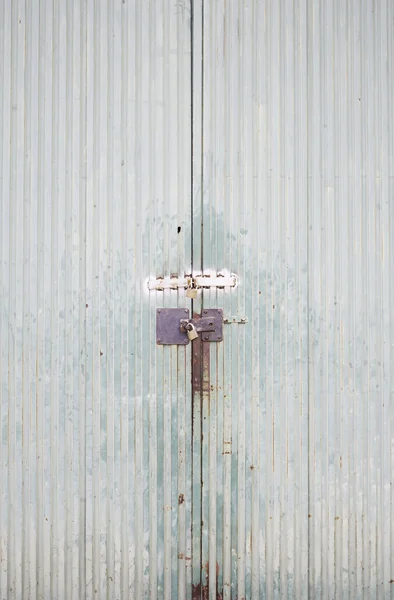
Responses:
[295,189]
[144,139]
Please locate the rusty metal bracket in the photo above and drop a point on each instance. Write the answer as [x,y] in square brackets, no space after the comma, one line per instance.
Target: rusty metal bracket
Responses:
[171,325]
[211,317]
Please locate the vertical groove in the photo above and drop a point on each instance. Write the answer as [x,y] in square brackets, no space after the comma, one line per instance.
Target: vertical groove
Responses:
[124,295]
[5,30]
[153,432]
[96,396]
[82,304]
[68,312]
[40,295]
[111,202]
[198,24]
[13,583]
[138,431]
[26,340]
[54,390]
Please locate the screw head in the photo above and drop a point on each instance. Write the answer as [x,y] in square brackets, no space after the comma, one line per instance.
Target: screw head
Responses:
[159,341]
[205,312]
[186,310]
[206,337]
[159,310]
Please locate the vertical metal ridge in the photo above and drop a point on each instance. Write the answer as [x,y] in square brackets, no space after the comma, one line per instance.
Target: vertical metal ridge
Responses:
[198,76]
[13,193]
[111,209]
[238,262]
[153,431]
[83,307]
[124,293]
[26,339]
[256,350]
[137,376]
[385,548]
[54,326]
[5,35]
[68,209]
[132,173]
[166,465]
[90,299]
[96,280]
[352,557]
[389,255]
[158,265]
[104,298]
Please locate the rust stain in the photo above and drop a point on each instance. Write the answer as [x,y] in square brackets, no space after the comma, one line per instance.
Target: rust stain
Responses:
[181,499]
[181,556]
[196,366]
[201,386]
[200,365]
[196,591]
[201,592]
[227,447]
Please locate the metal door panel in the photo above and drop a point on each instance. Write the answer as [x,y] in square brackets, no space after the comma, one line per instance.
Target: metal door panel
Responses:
[95,197]
[296,199]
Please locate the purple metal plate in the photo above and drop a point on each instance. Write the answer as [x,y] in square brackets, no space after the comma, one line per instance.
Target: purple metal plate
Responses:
[168,330]
[215,316]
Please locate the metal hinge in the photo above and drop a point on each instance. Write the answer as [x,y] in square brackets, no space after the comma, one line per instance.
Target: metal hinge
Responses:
[174,326]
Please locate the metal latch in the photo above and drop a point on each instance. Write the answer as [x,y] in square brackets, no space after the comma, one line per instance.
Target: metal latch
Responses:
[174,326]
[195,282]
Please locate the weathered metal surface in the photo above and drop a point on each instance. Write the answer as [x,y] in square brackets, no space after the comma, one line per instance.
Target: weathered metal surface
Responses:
[273,477]
[95,158]
[351,301]
[294,194]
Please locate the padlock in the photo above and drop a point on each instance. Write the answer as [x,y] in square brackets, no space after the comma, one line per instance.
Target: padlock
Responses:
[191,293]
[191,332]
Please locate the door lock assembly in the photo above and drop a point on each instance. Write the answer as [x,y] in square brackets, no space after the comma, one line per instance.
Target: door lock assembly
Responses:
[174,326]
